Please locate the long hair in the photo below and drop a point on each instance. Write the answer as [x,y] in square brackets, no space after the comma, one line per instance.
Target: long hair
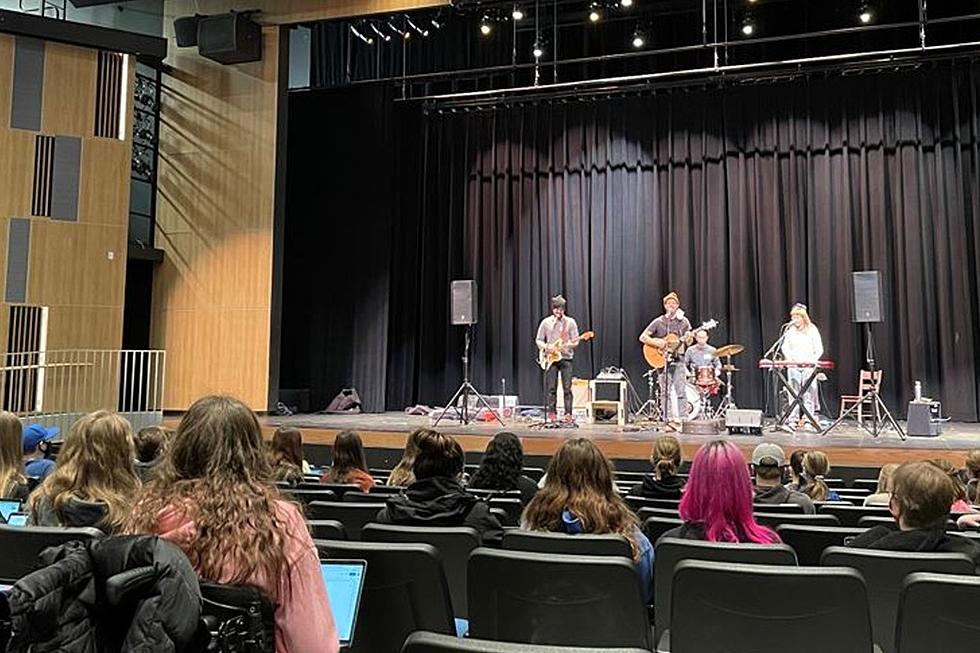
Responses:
[402,475]
[665,456]
[796,466]
[885,475]
[95,464]
[718,496]
[580,480]
[816,466]
[218,475]
[287,446]
[799,309]
[348,455]
[954,475]
[502,464]
[11,453]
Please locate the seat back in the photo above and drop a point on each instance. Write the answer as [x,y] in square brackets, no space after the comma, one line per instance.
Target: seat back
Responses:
[655,526]
[775,519]
[927,600]
[340,489]
[307,496]
[404,590]
[513,507]
[326,529]
[582,544]
[868,381]
[639,503]
[849,515]
[22,544]
[433,643]
[749,608]
[671,550]
[884,572]
[769,508]
[454,544]
[518,596]
[810,541]
[352,515]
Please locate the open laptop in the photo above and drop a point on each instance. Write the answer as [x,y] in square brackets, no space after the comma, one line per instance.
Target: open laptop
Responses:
[344,580]
[8,507]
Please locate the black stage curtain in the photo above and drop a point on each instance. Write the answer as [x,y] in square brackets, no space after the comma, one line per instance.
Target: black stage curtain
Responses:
[744,200]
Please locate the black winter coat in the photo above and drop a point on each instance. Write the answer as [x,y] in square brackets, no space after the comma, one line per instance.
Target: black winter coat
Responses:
[441,501]
[63,606]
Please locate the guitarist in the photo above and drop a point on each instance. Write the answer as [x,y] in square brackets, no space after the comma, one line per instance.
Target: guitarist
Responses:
[671,322]
[554,327]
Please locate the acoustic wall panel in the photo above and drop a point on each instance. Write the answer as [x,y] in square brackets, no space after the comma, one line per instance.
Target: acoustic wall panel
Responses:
[43,171]
[26,95]
[64,179]
[18,249]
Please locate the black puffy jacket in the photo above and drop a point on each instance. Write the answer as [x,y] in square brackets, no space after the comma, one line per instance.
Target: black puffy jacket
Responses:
[65,606]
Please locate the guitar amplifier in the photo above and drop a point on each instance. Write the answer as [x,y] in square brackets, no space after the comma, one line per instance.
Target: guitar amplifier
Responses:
[925,418]
[743,421]
[608,390]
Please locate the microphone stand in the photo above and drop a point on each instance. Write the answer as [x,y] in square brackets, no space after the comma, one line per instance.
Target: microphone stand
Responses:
[772,391]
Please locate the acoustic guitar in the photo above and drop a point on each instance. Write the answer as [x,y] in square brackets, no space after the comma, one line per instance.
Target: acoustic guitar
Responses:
[656,357]
[552,353]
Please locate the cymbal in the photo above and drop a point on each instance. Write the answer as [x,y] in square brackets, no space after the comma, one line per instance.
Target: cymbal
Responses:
[729,350]
[729,368]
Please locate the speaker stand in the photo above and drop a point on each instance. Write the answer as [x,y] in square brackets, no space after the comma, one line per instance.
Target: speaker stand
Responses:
[880,416]
[465,390]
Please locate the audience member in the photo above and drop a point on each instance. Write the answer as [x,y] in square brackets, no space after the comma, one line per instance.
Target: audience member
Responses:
[401,475]
[815,468]
[13,480]
[973,475]
[663,483]
[502,468]
[213,498]
[580,497]
[796,471]
[768,463]
[37,446]
[349,463]
[286,451]
[960,504]
[151,445]
[717,503]
[437,497]
[883,495]
[921,496]
[94,483]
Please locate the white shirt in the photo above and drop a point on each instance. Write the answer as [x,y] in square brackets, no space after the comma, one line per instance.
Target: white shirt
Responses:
[802,345]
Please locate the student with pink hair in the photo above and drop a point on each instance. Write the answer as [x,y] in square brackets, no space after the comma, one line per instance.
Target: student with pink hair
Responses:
[717,501]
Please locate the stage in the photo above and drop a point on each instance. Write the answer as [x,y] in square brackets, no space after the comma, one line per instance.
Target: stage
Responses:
[847,445]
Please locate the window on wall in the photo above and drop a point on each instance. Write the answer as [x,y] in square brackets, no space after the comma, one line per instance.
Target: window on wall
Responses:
[146,131]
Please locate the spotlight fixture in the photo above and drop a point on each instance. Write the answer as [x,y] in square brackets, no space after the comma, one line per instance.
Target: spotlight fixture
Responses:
[538,49]
[748,26]
[865,13]
[595,13]
[626,4]
[435,23]
[358,34]
[381,35]
[518,13]
[405,34]
[420,31]
[485,26]
[638,40]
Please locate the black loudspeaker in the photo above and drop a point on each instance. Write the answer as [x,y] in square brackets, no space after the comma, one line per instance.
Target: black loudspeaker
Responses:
[229,38]
[867,296]
[463,301]
[185,30]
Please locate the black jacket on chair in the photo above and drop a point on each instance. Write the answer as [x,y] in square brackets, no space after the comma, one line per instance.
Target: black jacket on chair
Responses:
[441,501]
[134,593]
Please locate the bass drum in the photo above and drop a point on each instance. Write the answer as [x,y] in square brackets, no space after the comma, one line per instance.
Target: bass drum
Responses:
[690,404]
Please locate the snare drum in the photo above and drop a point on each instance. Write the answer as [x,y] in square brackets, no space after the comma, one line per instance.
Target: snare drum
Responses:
[705,377]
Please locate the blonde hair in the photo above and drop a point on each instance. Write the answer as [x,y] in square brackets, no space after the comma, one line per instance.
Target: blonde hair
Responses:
[94,464]
[816,466]
[665,456]
[11,453]
[402,475]
[802,312]
[885,478]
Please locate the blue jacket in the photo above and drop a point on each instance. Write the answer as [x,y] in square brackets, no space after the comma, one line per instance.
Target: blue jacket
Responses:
[644,564]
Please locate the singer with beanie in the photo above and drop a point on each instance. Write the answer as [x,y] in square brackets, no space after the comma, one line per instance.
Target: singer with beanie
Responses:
[671,322]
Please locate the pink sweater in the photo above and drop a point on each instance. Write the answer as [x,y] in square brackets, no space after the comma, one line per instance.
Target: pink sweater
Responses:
[304,622]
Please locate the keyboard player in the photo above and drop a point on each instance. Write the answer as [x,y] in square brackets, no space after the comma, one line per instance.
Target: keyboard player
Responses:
[802,344]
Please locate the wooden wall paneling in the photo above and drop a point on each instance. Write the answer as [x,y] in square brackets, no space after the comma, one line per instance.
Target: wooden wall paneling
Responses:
[100,202]
[69,90]
[6,78]
[70,264]
[16,171]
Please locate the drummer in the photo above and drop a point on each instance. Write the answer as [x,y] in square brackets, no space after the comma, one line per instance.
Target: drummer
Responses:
[701,354]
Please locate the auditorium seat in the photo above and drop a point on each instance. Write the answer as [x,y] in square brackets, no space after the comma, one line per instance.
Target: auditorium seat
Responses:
[639,503]
[671,550]
[513,507]
[22,544]
[773,520]
[306,496]
[869,484]
[405,590]
[562,543]
[849,515]
[326,529]
[937,612]
[810,541]
[518,596]
[654,527]
[352,515]
[422,642]
[365,497]
[670,513]
[884,572]
[835,483]
[340,489]
[790,508]
[746,608]
[454,544]
[487,494]
[534,473]
[629,477]
[504,517]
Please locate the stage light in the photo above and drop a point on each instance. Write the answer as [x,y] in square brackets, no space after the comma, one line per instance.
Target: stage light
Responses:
[405,34]
[595,14]
[748,27]
[626,3]
[866,14]
[419,30]
[366,39]
[518,13]
[638,39]
[485,26]
[538,49]
[436,23]
[381,35]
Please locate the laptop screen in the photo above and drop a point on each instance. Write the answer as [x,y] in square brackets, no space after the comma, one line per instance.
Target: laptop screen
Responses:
[8,507]
[344,580]
[17,519]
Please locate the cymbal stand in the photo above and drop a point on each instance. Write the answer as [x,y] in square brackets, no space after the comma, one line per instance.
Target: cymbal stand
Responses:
[729,400]
[651,407]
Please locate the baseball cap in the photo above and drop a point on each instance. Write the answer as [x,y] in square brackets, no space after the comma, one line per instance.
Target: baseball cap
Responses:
[768,454]
[35,434]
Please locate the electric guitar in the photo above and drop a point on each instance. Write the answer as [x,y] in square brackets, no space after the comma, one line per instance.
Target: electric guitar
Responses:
[656,357]
[552,353]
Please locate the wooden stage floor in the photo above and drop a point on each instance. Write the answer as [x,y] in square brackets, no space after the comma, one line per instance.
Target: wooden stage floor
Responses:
[846,445]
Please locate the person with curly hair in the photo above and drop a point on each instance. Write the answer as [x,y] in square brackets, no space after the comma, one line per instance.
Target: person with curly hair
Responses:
[502,467]
[214,498]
